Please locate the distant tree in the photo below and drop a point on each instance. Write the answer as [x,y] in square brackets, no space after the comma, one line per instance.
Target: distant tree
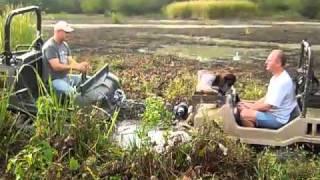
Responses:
[310,8]
[56,6]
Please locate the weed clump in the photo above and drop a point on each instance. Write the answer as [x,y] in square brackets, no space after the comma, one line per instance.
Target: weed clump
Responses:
[182,86]
[33,161]
[287,164]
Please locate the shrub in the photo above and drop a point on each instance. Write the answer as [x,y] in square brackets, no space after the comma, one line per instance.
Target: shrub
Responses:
[210,9]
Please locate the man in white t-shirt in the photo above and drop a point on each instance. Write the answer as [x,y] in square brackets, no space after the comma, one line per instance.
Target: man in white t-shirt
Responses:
[272,111]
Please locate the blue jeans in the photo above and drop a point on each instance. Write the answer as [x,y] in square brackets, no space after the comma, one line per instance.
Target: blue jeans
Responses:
[267,120]
[67,85]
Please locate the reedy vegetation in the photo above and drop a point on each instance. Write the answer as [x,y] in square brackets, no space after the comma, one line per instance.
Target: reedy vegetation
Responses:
[211,9]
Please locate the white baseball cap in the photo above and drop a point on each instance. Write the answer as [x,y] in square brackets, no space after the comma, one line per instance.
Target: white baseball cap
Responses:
[63,25]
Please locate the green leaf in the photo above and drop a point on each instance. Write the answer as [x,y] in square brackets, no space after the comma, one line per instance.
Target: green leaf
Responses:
[74,164]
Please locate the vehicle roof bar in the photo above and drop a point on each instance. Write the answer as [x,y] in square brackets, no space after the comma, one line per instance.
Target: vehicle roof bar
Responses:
[7,51]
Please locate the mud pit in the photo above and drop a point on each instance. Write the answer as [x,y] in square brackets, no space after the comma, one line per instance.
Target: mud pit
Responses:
[145,54]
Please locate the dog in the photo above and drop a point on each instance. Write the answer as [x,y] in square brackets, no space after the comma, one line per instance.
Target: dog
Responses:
[224,82]
[217,85]
[209,82]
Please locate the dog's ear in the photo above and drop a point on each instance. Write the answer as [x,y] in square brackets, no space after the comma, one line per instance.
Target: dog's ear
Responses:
[229,79]
[226,83]
[217,80]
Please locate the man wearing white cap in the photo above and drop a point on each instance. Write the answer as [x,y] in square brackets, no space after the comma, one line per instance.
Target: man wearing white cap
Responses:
[58,62]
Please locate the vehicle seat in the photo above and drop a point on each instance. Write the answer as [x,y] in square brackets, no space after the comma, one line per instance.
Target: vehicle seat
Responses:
[295,113]
[313,99]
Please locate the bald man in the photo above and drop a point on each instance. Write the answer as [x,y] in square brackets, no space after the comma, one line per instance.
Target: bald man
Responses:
[272,111]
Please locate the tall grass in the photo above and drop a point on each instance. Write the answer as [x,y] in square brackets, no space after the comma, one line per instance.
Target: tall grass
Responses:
[8,134]
[210,9]
[23,28]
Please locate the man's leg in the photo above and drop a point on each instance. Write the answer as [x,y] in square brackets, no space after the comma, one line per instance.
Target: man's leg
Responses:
[248,117]
[62,87]
[267,120]
[74,79]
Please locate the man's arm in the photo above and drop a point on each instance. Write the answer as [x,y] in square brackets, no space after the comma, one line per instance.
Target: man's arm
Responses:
[261,106]
[258,106]
[59,67]
[71,60]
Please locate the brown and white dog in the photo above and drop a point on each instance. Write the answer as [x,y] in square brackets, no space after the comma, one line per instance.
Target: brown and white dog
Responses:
[211,83]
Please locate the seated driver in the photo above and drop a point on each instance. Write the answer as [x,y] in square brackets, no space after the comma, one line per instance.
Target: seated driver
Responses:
[272,111]
[58,62]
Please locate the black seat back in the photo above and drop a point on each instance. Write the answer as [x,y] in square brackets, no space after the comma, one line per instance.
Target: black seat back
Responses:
[295,113]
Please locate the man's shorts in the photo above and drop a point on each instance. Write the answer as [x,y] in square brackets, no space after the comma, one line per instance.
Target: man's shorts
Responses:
[267,120]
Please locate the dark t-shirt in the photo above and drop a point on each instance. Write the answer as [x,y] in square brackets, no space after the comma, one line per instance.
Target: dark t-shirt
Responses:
[51,50]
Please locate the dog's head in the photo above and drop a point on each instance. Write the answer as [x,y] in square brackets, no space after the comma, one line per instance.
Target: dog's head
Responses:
[224,82]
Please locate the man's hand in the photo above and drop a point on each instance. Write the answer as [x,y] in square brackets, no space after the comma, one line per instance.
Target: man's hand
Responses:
[83,67]
[244,105]
[87,65]
[258,106]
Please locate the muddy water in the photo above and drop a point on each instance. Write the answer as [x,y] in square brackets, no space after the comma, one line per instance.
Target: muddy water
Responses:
[212,53]
[126,136]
